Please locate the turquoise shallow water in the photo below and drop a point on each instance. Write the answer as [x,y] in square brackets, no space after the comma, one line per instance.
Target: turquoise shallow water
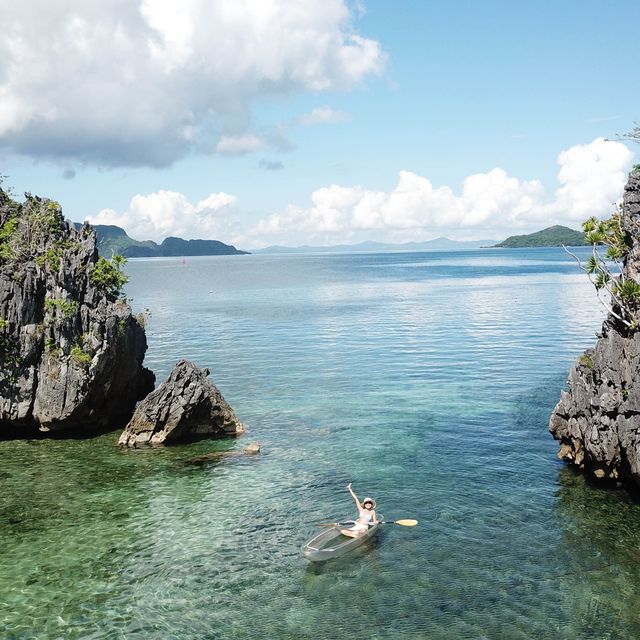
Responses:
[426,379]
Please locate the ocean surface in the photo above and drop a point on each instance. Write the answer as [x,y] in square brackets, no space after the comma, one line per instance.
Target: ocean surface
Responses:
[426,379]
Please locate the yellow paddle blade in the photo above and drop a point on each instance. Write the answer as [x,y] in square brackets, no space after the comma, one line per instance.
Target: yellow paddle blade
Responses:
[406,523]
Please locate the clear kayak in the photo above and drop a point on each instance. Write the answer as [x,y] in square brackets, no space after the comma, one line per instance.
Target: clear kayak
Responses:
[332,544]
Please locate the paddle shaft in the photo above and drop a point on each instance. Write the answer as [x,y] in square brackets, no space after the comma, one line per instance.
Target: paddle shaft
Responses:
[402,523]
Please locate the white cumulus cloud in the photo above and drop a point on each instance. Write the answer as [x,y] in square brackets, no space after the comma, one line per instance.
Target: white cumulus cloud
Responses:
[168,213]
[144,82]
[591,178]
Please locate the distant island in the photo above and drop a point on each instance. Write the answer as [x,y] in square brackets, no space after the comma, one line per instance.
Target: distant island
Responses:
[555,236]
[437,244]
[113,239]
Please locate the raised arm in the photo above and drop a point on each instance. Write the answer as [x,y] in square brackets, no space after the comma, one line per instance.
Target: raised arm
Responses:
[353,495]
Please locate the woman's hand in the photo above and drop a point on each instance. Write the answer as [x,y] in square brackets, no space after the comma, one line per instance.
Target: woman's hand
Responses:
[353,495]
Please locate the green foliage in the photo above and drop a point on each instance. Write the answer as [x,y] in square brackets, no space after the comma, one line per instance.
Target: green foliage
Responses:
[79,356]
[627,290]
[586,361]
[594,237]
[51,258]
[614,253]
[601,280]
[51,345]
[108,275]
[28,227]
[590,224]
[607,272]
[9,348]
[635,170]
[68,308]
[609,233]
[634,134]
[7,230]
[591,265]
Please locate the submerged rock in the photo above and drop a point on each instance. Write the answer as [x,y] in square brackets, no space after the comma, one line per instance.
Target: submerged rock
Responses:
[597,421]
[252,449]
[71,352]
[185,406]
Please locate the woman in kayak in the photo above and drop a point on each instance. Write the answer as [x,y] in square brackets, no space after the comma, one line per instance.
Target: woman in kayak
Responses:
[367,516]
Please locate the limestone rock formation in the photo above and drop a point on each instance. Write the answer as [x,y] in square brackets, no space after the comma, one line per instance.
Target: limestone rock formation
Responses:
[598,419]
[186,405]
[71,352]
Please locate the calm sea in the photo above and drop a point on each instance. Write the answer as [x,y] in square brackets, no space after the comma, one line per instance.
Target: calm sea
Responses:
[426,379]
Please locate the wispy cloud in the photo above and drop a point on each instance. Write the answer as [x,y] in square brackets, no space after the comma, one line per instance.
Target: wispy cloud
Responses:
[271,165]
[603,119]
[322,115]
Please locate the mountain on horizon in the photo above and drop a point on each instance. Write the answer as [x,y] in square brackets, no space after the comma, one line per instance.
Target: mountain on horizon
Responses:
[437,244]
[113,239]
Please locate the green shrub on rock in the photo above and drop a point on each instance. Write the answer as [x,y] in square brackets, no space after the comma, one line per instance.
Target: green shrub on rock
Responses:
[68,308]
[108,275]
[607,272]
[51,258]
[586,361]
[79,356]
[7,230]
[9,348]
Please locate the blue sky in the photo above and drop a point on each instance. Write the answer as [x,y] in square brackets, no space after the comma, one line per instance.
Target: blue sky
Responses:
[336,122]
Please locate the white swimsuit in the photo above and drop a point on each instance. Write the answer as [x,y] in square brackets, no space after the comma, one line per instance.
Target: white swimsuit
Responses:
[365,519]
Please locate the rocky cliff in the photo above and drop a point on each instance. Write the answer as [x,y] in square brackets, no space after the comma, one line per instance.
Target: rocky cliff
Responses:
[71,352]
[598,418]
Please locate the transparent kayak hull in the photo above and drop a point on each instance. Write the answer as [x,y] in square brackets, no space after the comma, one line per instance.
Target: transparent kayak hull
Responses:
[331,543]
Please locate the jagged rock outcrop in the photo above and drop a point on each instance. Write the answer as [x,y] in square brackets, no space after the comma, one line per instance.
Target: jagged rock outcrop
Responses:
[185,406]
[71,352]
[598,419]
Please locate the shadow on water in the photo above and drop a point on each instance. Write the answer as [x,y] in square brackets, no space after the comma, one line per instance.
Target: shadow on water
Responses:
[599,556]
[348,561]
